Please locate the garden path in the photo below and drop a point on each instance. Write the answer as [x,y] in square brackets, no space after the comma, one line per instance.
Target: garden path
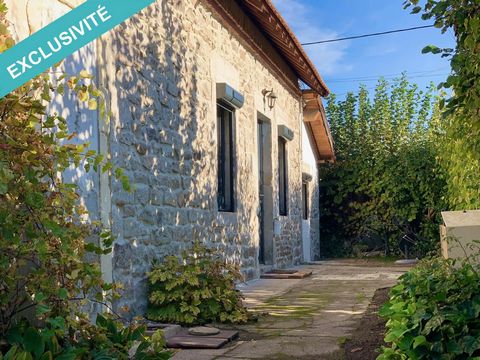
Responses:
[308,319]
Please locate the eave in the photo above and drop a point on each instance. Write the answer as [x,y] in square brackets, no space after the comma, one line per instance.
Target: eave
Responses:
[275,27]
[281,39]
[318,130]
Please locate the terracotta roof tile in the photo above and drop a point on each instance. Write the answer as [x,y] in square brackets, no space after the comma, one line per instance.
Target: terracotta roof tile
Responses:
[277,30]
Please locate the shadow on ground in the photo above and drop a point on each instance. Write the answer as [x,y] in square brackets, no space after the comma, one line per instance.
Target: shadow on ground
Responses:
[305,319]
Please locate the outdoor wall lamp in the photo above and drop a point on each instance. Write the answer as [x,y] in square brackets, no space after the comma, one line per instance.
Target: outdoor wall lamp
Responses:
[271,98]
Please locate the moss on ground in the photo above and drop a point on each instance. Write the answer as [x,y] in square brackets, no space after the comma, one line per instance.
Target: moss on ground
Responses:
[360,297]
[293,305]
[342,340]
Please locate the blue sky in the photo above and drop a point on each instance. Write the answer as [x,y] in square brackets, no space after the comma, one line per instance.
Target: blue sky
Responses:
[341,64]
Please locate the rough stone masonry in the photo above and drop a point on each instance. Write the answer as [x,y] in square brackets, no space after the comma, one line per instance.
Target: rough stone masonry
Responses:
[159,70]
[164,136]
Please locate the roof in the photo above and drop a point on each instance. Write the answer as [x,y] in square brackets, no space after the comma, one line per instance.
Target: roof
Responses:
[318,130]
[276,28]
[281,41]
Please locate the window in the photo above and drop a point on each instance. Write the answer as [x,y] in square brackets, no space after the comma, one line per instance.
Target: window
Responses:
[282,177]
[305,200]
[226,142]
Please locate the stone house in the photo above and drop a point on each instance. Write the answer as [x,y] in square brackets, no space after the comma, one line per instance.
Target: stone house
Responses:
[212,127]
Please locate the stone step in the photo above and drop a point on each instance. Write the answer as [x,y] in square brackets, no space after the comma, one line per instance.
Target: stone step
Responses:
[286,274]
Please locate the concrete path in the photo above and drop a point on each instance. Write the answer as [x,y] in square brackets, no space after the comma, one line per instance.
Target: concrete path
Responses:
[307,319]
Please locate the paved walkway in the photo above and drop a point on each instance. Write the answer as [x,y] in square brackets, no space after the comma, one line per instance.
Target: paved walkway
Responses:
[307,319]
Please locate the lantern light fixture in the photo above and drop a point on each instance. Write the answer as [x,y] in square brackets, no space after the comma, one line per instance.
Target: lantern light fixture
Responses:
[269,97]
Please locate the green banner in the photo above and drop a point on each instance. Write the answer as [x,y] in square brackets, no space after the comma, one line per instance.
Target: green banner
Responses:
[61,38]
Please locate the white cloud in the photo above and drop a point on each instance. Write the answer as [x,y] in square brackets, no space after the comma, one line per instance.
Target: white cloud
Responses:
[328,58]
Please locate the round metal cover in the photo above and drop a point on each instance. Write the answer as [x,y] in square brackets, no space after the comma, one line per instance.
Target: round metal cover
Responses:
[203,331]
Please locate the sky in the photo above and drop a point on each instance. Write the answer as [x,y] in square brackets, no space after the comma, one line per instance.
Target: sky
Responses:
[345,64]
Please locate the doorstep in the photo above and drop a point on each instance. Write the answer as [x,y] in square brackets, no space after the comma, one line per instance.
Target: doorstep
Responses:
[286,274]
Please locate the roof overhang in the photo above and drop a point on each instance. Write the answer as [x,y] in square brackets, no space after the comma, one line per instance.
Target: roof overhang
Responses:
[318,130]
[280,34]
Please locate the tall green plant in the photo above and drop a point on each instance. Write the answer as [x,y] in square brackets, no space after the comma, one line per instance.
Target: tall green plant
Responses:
[45,278]
[42,238]
[461,111]
[386,182]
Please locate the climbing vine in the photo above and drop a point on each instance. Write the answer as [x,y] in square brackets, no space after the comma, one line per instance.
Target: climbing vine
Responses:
[385,183]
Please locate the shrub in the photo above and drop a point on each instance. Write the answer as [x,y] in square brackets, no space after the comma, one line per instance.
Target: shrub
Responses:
[107,340]
[433,312]
[197,288]
[45,277]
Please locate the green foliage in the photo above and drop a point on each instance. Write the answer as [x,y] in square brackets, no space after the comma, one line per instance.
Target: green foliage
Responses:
[45,278]
[196,289]
[461,112]
[6,41]
[107,340]
[42,233]
[434,313]
[386,182]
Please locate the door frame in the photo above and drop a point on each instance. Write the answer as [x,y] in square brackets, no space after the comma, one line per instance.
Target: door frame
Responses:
[265,190]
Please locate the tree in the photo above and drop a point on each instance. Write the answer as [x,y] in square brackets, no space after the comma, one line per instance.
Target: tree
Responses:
[461,111]
[386,182]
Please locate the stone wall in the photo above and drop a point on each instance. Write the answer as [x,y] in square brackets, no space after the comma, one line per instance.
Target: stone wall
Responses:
[162,77]
[27,16]
[159,70]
